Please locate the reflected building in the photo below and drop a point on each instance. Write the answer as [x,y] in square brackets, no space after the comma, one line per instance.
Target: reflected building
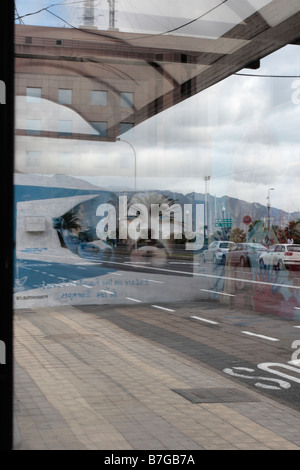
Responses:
[77,87]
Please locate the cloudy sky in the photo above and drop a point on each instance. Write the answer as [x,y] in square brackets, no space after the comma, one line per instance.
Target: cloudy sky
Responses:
[242,132]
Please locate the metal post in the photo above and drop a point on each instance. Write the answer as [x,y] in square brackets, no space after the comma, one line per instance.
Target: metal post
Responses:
[269,213]
[7,233]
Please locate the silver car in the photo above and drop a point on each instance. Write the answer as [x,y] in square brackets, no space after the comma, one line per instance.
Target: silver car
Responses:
[217,251]
[281,256]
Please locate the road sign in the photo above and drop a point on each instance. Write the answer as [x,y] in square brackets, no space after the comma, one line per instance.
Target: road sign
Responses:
[247,220]
[225,223]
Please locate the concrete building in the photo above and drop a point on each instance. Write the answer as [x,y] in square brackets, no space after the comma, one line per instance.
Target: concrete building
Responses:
[77,87]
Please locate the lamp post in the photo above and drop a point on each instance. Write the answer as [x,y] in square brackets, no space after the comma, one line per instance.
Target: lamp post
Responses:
[206,179]
[269,212]
[223,218]
[134,152]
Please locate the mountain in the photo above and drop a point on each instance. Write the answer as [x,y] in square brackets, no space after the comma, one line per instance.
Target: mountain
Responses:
[236,209]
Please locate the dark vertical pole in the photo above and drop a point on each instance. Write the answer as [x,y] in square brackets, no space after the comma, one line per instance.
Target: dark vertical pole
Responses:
[7,230]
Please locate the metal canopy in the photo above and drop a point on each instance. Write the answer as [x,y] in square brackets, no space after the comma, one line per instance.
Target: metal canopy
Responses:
[160,69]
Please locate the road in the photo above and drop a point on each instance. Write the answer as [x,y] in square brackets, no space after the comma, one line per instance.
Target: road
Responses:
[193,308]
[249,348]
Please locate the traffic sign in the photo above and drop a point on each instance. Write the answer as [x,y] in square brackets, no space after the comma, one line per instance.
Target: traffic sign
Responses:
[225,223]
[247,220]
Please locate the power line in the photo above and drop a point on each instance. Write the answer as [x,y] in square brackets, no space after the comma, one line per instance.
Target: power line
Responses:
[131,39]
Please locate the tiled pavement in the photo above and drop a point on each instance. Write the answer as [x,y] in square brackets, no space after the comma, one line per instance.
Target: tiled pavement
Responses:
[86,379]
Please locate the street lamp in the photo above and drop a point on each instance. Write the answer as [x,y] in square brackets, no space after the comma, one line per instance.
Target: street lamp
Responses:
[134,152]
[223,220]
[206,179]
[269,212]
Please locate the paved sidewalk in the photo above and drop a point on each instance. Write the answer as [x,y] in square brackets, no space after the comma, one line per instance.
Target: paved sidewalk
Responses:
[84,382]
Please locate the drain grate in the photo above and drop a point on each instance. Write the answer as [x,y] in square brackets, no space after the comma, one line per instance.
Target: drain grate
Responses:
[215,395]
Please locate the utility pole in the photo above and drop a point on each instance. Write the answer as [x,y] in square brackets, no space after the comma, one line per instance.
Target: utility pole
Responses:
[206,225]
[269,213]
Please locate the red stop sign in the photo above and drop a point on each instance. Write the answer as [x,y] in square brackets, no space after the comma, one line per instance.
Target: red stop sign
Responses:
[247,220]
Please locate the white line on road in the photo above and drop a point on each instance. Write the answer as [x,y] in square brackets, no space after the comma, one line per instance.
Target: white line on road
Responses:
[296,326]
[152,280]
[86,285]
[133,300]
[205,320]
[163,308]
[107,292]
[259,336]
[211,276]
[137,262]
[215,292]
[190,263]
[117,274]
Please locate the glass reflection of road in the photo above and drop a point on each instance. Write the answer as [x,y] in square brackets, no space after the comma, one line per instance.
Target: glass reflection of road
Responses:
[268,291]
[32,274]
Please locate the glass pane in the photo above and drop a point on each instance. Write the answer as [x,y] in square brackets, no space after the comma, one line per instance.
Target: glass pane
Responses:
[65,96]
[157,219]
[33,95]
[98,98]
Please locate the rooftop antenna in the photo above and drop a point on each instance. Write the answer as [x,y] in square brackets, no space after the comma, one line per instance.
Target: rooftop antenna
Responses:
[112,14]
[89,14]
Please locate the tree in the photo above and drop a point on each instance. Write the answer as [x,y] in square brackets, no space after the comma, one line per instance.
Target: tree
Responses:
[237,235]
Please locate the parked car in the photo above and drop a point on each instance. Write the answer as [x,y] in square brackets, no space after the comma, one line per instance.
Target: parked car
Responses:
[217,251]
[245,254]
[281,256]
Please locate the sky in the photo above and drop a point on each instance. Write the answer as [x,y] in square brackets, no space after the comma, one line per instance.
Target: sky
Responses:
[242,132]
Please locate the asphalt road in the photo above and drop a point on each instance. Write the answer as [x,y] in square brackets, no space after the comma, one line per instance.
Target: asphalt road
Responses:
[249,348]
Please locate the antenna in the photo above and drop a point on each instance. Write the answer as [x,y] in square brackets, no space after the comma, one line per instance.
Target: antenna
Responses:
[89,14]
[112,14]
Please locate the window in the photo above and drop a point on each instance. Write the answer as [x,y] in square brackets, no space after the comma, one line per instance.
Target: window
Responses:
[33,95]
[100,127]
[33,126]
[126,100]
[64,127]
[64,96]
[33,158]
[98,98]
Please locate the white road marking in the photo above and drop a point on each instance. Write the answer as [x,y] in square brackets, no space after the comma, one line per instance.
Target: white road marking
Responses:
[136,262]
[215,292]
[107,292]
[133,300]
[295,362]
[163,308]
[117,274]
[86,285]
[249,333]
[190,263]
[152,280]
[205,320]
[248,281]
